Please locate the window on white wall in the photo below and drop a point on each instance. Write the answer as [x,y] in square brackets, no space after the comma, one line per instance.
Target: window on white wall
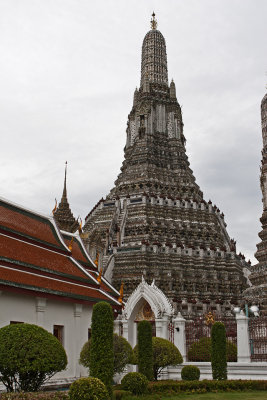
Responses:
[58,332]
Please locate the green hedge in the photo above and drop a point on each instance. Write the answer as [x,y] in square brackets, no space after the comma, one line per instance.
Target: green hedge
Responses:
[35,396]
[120,394]
[205,386]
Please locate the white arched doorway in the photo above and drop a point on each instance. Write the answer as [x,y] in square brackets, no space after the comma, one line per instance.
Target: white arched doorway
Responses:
[147,302]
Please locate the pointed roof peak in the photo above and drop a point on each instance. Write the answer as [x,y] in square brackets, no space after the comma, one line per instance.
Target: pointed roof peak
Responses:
[63,214]
[65,182]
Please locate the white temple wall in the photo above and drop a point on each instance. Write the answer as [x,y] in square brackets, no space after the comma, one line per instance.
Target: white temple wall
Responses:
[74,318]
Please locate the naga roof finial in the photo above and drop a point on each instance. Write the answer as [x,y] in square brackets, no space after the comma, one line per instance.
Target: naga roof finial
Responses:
[153,21]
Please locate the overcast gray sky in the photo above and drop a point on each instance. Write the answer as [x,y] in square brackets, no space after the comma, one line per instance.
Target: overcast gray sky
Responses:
[67,76]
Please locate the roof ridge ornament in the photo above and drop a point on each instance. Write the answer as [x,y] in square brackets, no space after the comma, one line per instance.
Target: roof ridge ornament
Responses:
[153,22]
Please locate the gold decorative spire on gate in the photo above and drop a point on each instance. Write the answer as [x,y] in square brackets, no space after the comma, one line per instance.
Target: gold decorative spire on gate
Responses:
[209,318]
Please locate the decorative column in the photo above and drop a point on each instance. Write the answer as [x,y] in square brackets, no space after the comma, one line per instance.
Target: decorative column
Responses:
[77,312]
[40,310]
[117,324]
[162,326]
[125,329]
[243,348]
[179,334]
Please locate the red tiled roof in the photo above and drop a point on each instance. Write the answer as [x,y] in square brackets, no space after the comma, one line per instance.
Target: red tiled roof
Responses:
[10,276]
[29,224]
[33,257]
[29,254]
[77,251]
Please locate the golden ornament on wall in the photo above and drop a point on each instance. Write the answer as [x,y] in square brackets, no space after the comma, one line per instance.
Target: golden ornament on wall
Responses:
[209,318]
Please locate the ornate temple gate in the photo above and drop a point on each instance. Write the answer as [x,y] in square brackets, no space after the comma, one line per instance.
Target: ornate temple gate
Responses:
[200,327]
[258,338]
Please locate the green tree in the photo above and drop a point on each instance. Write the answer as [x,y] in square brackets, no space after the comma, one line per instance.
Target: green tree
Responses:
[218,351]
[123,353]
[201,350]
[145,353]
[164,353]
[101,351]
[29,355]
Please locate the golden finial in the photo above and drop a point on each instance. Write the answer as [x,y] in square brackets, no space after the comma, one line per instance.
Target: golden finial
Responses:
[210,318]
[96,259]
[121,293]
[55,208]
[99,276]
[153,21]
[80,227]
[70,245]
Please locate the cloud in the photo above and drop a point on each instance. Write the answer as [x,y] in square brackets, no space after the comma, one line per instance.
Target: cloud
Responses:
[67,77]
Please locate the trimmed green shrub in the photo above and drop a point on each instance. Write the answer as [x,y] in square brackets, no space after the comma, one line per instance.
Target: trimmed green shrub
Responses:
[29,355]
[190,373]
[88,389]
[164,353]
[145,353]
[101,352]
[120,394]
[35,396]
[201,350]
[170,386]
[218,351]
[135,382]
[123,353]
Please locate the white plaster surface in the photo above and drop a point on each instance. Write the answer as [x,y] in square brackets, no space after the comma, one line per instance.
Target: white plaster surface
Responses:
[75,318]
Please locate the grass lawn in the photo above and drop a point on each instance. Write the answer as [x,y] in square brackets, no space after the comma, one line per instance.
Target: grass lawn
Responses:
[257,395]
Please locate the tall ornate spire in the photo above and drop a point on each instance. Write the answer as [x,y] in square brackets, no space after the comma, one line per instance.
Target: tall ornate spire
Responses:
[154,56]
[155,221]
[257,294]
[63,214]
[65,182]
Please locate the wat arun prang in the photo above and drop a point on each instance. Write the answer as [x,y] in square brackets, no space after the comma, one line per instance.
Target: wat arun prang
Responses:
[257,293]
[155,222]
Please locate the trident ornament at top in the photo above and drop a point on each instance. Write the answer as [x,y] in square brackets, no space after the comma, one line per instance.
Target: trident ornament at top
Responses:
[153,22]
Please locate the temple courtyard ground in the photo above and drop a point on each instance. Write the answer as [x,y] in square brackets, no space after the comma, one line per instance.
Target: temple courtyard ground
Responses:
[253,395]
